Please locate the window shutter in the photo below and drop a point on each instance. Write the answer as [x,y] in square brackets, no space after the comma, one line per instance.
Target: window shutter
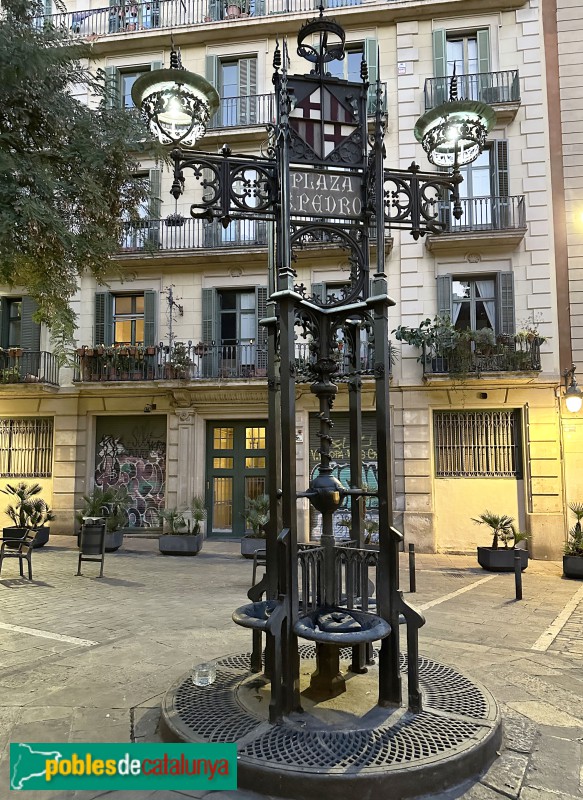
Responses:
[29,329]
[103,318]
[149,318]
[505,299]
[444,303]
[439,66]
[211,69]
[209,332]
[156,65]
[261,306]
[500,187]
[111,87]
[259,8]
[3,322]
[155,204]
[247,90]
[48,7]
[483,36]
[371,53]
[318,290]
[215,11]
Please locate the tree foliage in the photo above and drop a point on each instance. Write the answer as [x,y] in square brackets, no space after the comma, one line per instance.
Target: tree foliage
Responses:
[67,168]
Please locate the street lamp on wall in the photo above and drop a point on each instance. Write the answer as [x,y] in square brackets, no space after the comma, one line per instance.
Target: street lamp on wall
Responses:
[573,394]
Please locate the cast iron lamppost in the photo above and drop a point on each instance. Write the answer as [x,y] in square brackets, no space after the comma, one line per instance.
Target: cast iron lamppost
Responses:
[323,180]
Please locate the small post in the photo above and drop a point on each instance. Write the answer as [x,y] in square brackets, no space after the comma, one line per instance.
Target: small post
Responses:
[412,578]
[518,575]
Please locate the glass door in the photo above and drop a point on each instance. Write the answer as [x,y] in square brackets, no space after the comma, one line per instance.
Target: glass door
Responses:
[236,472]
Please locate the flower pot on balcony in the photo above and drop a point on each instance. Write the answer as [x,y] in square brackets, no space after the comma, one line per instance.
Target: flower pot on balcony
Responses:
[233,11]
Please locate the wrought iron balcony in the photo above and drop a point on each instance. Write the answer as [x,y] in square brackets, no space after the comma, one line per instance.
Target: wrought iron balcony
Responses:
[485,214]
[181,233]
[493,88]
[465,359]
[130,17]
[28,366]
[193,362]
[239,112]
[305,357]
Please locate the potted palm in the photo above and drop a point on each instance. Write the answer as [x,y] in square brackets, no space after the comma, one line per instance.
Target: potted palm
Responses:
[503,530]
[183,532]
[28,512]
[256,516]
[573,554]
[111,503]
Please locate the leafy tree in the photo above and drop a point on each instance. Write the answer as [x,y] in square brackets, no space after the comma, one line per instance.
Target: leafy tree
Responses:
[67,169]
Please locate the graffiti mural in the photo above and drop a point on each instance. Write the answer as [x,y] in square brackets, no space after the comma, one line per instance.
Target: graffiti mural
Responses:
[137,460]
[342,472]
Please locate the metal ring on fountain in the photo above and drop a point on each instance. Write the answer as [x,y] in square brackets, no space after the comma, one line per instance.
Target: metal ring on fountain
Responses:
[344,627]
[255,615]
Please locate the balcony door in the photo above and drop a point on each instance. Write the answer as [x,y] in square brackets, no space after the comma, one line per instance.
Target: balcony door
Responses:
[236,472]
[235,79]
[466,52]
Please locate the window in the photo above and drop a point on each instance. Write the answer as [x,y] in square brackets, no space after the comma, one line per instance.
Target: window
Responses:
[146,233]
[119,82]
[235,79]
[230,322]
[26,448]
[477,444]
[474,302]
[469,53]
[127,318]
[17,327]
[349,68]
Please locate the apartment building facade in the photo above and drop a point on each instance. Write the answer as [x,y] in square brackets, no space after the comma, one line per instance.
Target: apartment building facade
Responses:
[169,392]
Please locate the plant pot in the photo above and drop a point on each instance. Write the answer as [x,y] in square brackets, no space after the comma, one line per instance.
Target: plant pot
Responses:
[502,559]
[250,544]
[113,541]
[573,567]
[233,11]
[181,545]
[41,536]
[16,534]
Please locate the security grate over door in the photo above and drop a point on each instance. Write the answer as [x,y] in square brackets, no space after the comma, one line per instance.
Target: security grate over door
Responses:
[477,444]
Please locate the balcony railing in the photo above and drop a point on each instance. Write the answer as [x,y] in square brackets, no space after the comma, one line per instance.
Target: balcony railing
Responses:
[28,366]
[488,87]
[508,354]
[180,233]
[485,214]
[238,112]
[192,362]
[126,18]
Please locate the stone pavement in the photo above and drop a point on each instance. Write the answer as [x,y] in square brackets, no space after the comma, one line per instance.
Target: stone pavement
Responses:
[151,618]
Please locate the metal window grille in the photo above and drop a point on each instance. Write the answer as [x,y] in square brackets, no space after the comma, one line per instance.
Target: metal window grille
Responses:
[26,448]
[477,444]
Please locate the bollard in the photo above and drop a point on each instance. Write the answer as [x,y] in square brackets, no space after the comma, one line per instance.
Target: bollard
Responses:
[518,576]
[412,579]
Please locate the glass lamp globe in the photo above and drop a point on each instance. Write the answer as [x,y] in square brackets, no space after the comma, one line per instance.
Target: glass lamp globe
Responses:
[175,104]
[454,133]
[573,398]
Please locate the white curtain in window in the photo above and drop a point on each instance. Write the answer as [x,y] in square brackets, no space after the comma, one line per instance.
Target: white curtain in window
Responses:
[485,289]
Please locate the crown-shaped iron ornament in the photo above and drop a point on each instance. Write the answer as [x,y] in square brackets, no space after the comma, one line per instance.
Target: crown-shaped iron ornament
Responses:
[331,42]
[175,104]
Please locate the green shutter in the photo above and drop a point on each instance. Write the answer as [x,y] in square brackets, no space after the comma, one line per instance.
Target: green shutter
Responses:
[261,306]
[483,36]
[112,98]
[156,65]
[48,7]
[371,56]
[149,318]
[103,318]
[505,300]
[440,92]
[500,185]
[29,329]
[211,70]
[259,8]
[444,304]
[209,332]
[4,322]
[318,290]
[215,10]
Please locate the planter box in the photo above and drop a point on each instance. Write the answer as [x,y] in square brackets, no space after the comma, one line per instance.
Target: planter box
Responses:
[501,560]
[113,541]
[177,545]
[250,545]
[41,536]
[573,566]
